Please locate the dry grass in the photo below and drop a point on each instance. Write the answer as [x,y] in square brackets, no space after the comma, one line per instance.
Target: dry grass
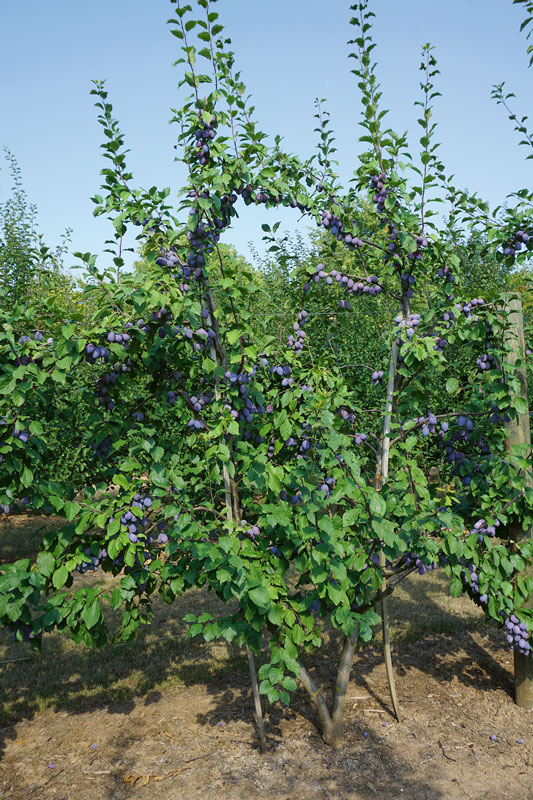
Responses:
[74,677]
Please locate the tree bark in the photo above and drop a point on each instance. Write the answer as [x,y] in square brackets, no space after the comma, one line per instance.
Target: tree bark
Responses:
[341,686]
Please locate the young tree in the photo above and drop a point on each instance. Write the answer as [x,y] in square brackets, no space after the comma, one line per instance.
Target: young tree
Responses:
[249,457]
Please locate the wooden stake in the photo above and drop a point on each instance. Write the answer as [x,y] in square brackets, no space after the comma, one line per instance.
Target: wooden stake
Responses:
[382,473]
[257,702]
[518,432]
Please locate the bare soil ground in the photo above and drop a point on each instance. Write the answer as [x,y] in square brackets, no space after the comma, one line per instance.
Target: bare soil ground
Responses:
[172,718]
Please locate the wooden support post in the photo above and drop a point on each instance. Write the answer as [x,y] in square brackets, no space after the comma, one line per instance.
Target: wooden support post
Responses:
[518,432]
[382,473]
[257,702]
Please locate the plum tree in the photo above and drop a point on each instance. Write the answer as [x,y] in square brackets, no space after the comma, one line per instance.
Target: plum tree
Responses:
[242,459]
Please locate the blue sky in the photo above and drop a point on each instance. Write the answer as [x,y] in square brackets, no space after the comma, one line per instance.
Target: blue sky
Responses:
[289,52]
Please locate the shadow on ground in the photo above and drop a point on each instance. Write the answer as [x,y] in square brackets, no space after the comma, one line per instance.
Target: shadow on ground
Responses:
[433,634]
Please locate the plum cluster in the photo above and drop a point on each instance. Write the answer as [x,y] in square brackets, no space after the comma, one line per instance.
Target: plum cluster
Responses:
[411,558]
[197,338]
[296,498]
[377,377]
[242,381]
[202,239]
[168,258]
[94,353]
[296,340]
[160,317]
[22,436]
[141,324]
[417,255]
[516,632]
[429,425]
[204,136]
[333,224]
[119,338]
[133,522]
[196,424]
[515,245]
[487,361]
[348,416]
[456,458]
[293,499]
[271,447]
[440,344]
[105,382]
[252,532]
[378,185]
[305,447]
[470,579]
[391,241]
[448,318]
[481,529]
[249,195]
[102,449]
[369,285]
[407,324]
[284,372]
[471,305]
[407,281]
[517,635]
[327,485]
[447,274]
[93,561]
[22,632]
[465,422]
[162,536]
[5,509]
[37,336]
[497,417]
[28,359]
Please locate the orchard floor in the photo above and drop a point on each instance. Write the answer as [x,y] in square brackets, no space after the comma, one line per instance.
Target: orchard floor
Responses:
[172,719]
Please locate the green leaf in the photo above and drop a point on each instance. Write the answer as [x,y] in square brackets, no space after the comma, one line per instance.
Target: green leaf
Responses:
[378,505]
[71,510]
[289,683]
[275,615]
[27,477]
[521,405]
[60,576]
[456,587]
[129,465]
[259,597]
[452,385]
[233,335]
[91,614]
[46,563]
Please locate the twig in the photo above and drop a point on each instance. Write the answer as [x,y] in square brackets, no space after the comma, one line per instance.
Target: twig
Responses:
[48,781]
[444,751]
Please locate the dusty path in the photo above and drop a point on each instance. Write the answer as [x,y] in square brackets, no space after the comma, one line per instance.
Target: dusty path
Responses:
[199,741]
